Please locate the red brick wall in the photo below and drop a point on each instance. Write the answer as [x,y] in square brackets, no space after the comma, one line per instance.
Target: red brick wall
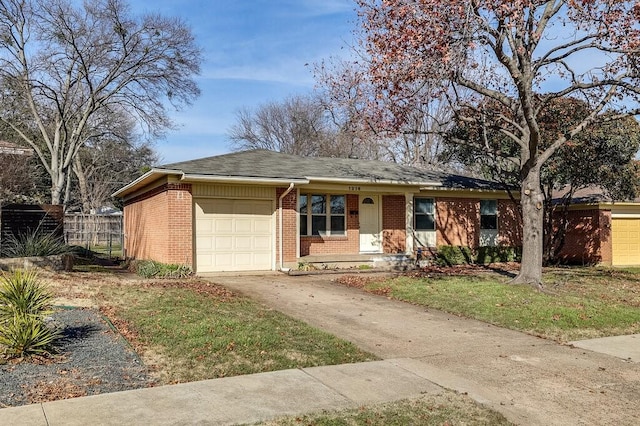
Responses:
[457,222]
[606,243]
[349,244]
[158,225]
[394,226]
[180,236]
[509,224]
[289,225]
[588,237]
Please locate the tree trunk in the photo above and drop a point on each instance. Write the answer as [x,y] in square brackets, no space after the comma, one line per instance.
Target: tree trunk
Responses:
[532,201]
[58,184]
[83,186]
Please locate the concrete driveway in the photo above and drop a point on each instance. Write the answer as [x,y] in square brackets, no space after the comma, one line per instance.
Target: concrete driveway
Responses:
[530,380]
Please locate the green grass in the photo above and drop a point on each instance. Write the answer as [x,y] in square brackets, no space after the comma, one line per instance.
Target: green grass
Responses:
[578,303]
[199,336]
[446,408]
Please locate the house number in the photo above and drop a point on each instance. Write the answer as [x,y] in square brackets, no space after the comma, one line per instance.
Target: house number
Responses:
[354,188]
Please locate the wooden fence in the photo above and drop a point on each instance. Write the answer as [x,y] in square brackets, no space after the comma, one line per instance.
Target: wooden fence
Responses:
[93,230]
[22,219]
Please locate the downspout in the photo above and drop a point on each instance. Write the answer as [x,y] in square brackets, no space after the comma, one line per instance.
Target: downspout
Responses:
[281,223]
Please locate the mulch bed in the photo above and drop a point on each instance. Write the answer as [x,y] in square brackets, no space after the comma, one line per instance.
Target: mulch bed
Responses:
[92,358]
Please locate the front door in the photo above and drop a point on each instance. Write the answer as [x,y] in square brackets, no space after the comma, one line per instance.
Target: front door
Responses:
[370,229]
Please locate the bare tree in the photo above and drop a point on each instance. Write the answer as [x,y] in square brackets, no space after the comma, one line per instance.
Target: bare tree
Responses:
[296,125]
[350,96]
[109,161]
[62,64]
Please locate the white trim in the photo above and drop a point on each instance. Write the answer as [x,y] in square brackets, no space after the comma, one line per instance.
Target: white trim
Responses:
[371,181]
[240,179]
[150,176]
[625,215]
[409,243]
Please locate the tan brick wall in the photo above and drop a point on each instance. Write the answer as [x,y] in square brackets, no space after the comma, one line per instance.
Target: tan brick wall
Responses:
[158,225]
[350,244]
[588,237]
[509,224]
[394,226]
[457,222]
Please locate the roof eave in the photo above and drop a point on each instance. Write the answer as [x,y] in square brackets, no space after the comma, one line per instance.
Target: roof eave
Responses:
[371,181]
[241,179]
[146,178]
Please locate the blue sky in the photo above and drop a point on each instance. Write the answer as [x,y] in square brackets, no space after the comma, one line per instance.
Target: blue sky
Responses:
[255,51]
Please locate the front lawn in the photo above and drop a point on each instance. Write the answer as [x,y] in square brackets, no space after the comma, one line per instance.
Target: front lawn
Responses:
[578,303]
[200,334]
[189,329]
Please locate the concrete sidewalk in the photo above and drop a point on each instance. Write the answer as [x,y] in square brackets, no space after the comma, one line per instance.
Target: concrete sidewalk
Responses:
[236,400]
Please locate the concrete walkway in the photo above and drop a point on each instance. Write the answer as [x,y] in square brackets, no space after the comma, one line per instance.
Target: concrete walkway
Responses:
[530,380]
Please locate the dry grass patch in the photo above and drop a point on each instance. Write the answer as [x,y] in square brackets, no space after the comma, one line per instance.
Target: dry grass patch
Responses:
[445,408]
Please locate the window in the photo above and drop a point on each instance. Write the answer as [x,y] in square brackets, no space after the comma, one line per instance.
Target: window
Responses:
[488,214]
[424,212]
[322,214]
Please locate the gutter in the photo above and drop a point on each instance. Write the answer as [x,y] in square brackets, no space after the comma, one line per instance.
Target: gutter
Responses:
[240,179]
[281,223]
[371,182]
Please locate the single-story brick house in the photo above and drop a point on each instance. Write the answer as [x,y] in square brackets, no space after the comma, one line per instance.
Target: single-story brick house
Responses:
[263,210]
[601,230]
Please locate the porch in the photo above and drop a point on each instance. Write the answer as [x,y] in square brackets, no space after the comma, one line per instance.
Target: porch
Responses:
[384,261]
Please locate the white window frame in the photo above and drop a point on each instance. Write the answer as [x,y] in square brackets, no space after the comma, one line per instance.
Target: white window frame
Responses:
[327,214]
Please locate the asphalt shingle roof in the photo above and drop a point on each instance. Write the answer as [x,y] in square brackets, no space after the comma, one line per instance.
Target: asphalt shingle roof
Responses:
[269,164]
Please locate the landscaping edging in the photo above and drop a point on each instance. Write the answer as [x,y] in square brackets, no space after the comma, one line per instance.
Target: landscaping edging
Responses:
[59,262]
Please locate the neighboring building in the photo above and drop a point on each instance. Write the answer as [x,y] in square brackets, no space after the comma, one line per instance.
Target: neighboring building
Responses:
[13,149]
[601,230]
[263,210]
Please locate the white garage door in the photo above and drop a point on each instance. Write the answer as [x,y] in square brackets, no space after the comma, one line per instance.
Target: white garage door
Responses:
[234,235]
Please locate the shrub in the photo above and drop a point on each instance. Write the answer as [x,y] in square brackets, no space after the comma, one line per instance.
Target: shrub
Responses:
[454,255]
[462,255]
[34,243]
[153,269]
[24,303]
[487,255]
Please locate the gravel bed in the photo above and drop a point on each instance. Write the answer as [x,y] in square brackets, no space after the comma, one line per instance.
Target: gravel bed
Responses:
[92,359]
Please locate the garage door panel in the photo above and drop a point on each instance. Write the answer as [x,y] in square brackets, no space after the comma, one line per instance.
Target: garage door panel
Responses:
[222,225]
[243,225]
[262,226]
[625,239]
[234,235]
[262,243]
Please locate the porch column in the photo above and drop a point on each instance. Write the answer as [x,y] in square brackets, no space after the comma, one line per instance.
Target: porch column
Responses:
[409,223]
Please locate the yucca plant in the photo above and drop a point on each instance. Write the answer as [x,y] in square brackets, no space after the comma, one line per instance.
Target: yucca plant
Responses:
[34,243]
[24,303]
[22,293]
[25,335]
